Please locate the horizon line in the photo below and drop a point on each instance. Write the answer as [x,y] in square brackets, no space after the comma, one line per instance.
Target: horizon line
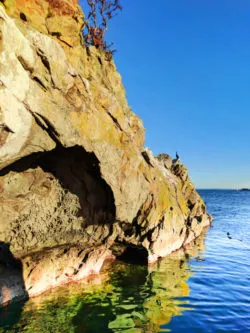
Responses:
[221,188]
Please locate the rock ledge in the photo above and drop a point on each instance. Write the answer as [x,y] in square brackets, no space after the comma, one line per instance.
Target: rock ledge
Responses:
[76,184]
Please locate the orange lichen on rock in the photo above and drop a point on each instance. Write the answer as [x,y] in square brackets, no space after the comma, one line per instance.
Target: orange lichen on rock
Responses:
[63,7]
[73,166]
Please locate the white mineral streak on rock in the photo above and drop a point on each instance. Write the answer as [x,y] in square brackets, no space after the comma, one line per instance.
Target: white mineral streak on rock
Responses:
[16,48]
[15,85]
[54,58]
[18,120]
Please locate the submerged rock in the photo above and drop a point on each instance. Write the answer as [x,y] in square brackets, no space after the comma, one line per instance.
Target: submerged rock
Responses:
[76,184]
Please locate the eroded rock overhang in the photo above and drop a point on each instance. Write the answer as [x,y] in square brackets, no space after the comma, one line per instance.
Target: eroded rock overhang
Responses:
[76,184]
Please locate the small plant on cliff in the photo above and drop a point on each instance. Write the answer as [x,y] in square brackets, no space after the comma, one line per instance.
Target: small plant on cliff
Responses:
[96,24]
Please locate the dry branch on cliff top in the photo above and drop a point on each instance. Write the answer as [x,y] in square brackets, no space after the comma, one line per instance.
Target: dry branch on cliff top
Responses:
[96,23]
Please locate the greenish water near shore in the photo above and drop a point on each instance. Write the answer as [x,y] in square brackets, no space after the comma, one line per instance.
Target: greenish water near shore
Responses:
[204,289]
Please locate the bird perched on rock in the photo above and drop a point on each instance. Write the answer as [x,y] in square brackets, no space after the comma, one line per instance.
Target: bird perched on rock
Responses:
[177,159]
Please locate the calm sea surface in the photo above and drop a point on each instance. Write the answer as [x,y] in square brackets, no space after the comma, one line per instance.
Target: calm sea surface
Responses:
[206,289]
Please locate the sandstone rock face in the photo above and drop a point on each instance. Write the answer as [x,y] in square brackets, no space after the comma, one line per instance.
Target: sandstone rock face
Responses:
[166,160]
[76,184]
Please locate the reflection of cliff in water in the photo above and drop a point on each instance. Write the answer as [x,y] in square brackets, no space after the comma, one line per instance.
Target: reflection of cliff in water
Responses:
[125,298]
[11,286]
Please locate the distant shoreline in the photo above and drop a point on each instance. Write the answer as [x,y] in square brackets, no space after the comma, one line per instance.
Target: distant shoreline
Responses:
[224,189]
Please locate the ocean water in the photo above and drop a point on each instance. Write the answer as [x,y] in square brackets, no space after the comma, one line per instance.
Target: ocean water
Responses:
[205,289]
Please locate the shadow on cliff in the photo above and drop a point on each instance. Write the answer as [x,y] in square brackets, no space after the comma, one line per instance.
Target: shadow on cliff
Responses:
[12,288]
[79,173]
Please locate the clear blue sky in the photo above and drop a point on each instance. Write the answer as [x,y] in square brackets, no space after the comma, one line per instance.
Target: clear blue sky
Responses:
[185,65]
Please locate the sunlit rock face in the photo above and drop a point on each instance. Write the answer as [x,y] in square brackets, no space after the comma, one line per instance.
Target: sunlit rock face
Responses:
[76,184]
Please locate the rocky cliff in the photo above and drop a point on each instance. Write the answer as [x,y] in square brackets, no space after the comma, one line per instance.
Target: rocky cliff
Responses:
[76,184]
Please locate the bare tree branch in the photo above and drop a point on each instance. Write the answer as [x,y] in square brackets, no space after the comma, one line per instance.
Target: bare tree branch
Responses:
[96,23]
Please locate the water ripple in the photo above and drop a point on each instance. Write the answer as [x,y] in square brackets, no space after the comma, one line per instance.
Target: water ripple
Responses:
[205,290]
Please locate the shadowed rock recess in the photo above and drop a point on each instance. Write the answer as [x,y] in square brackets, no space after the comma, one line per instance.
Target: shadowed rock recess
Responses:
[76,184]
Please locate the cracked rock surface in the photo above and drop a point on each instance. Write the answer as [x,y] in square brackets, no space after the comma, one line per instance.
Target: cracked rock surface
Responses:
[76,184]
